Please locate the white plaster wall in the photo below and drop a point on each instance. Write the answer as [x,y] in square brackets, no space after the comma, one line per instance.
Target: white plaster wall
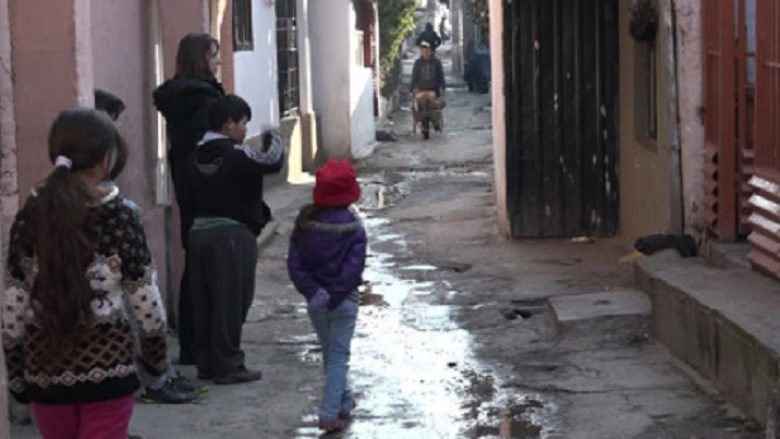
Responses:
[691,95]
[361,105]
[330,33]
[362,112]
[256,70]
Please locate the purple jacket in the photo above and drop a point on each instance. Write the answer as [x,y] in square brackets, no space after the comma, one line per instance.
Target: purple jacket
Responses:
[327,250]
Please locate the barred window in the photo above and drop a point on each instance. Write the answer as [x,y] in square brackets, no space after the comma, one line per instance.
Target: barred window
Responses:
[287,57]
[243,38]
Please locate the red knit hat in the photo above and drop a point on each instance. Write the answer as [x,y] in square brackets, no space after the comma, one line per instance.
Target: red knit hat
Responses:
[336,185]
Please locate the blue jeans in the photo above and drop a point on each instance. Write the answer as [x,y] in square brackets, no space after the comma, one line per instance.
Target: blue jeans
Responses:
[334,330]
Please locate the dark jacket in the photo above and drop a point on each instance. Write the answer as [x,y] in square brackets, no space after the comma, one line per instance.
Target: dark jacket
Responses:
[227,180]
[185,104]
[327,250]
[431,37]
[428,74]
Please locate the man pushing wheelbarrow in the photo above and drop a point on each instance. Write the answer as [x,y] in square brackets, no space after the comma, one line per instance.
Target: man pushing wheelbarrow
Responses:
[428,88]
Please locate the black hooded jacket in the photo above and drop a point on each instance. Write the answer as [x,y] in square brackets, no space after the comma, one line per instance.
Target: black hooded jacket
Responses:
[185,103]
[430,36]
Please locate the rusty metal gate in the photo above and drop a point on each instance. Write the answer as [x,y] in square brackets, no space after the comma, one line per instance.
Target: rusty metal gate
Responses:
[729,112]
[765,202]
[562,116]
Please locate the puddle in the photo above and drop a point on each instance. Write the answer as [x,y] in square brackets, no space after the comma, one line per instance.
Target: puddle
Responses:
[415,369]
[377,195]
[421,267]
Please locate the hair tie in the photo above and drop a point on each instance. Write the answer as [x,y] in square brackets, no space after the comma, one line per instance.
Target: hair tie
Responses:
[63,161]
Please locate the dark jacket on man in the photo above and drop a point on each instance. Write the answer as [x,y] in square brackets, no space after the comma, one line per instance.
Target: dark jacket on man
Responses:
[430,36]
[428,74]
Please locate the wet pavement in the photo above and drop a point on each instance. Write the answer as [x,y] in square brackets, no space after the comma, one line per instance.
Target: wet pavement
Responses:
[413,368]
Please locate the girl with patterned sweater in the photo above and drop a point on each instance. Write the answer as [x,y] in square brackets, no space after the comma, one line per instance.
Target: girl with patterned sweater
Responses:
[76,251]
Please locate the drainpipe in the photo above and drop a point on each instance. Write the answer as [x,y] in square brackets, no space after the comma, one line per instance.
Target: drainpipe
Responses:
[304,58]
[668,41]
[9,192]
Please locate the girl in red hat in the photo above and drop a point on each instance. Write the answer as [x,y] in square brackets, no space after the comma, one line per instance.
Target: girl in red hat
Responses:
[326,261]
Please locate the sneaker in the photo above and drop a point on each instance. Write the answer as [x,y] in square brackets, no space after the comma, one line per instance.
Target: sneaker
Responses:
[169,393]
[333,425]
[186,385]
[242,375]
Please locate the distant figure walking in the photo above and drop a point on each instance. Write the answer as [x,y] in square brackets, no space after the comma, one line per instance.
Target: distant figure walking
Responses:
[428,84]
[430,36]
[326,259]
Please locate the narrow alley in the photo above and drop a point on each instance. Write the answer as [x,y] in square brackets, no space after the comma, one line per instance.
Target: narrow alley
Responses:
[470,326]
[456,336]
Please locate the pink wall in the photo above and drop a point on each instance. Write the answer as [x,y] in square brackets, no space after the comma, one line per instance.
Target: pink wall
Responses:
[48,77]
[8,153]
[122,62]
[179,18]
[499,112]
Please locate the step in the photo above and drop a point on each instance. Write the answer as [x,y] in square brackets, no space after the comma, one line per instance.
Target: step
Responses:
[623,312]
[724,322]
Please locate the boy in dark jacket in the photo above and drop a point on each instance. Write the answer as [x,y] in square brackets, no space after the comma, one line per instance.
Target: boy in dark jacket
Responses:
[326,260]
[229,211]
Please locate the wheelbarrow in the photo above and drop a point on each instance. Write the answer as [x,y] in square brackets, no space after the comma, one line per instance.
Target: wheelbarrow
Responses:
[427,110]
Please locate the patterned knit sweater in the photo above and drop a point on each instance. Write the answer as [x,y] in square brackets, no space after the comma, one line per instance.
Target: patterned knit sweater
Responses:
[101,367]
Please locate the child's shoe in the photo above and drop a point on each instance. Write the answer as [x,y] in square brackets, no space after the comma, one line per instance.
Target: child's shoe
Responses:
[346,416]
[332,425]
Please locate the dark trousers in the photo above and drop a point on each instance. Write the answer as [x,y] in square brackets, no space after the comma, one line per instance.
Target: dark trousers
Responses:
[222,283]
[182,187]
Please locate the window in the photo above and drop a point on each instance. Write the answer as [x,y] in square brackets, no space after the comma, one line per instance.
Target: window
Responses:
[646,109]
[287,57]
[243,38]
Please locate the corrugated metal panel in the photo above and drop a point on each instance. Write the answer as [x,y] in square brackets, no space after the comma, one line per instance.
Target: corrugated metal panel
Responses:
[765,223]
[765,201]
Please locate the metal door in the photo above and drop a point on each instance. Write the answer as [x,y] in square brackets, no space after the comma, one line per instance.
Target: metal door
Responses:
[562,116]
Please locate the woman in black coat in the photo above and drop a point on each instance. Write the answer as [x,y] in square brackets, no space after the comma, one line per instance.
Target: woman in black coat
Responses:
[184,101]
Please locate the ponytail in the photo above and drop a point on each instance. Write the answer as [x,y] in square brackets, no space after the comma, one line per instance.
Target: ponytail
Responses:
[65,242]
[64,215]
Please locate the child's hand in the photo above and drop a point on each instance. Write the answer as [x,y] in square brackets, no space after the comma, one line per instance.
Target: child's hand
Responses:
[320,300]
